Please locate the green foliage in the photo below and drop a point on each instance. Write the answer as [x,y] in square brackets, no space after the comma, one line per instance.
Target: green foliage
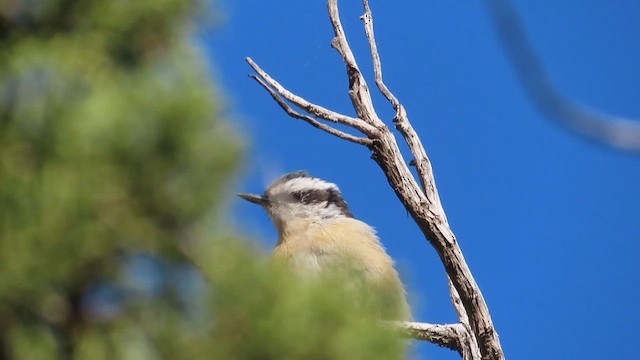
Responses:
[111,142]
[93,148]
[265,312]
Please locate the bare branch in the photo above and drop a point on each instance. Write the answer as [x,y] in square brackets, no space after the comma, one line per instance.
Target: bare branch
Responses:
[310,120]
[603,128]
[430,216]
[367,18]
[457,303]
[468,342]
[469,346]
[441,335]
[358,88]
[315,110]
[476,332]
[451,336]
[422,163]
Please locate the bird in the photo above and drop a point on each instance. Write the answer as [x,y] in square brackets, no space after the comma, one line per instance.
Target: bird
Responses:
[318,234]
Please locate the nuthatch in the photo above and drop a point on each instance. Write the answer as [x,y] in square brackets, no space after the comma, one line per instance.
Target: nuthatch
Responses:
[317,233]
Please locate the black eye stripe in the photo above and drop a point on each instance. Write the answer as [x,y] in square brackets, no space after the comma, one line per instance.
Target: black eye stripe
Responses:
[330,196]
[336,198]
[313,196]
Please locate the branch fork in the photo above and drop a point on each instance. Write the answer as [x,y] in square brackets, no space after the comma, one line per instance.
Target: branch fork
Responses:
[475,336]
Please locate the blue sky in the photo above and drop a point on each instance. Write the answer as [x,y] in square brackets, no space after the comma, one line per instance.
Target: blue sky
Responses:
[548,222]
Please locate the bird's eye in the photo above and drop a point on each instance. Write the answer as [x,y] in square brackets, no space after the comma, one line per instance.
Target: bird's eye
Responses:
[297,195]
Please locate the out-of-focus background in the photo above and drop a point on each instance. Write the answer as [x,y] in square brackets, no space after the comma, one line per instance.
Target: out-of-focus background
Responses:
[126,128]
[547,220]
[117,161]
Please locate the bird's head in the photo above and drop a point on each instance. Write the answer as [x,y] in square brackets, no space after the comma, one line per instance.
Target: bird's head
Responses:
[299,196]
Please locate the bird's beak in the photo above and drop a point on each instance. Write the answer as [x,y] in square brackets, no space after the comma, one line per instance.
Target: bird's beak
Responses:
[254,198]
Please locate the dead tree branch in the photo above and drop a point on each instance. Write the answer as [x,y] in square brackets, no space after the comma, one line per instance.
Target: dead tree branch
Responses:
[595,125]
[468,343]
[316,110]
[451,336]
[441,335]
[283,104]
[475,336]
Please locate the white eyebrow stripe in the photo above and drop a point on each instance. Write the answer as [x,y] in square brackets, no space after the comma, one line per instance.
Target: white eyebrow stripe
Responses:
[307,183]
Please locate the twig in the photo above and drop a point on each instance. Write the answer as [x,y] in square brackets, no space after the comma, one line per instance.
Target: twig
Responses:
[367,18]
[422,163]
[451,336]
[313,109]
[310,120]
[442,335]
[468,342]
[358,88]
[603,128]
